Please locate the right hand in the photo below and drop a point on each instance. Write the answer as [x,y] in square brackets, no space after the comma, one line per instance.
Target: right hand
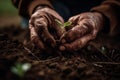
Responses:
[84,28]
[44,30]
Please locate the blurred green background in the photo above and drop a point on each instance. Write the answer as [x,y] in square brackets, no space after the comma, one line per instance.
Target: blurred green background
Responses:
[8,14]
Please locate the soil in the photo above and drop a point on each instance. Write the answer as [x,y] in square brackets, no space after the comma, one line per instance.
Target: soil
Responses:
[93,62]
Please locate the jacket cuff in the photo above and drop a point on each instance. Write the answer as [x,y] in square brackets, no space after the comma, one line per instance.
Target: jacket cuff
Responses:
[26,8]
[37,3]
[110,15]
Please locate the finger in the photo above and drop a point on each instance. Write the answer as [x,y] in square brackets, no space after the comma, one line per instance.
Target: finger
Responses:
[38,42]
[75,33]
[54,28]
[74,21]
[45,35]
[58,30]
[74,18]
[35,38]
[77,44]
[41,28]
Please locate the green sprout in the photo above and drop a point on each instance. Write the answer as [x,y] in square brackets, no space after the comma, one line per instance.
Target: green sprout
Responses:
[20,69]
[63,25]
[103,49]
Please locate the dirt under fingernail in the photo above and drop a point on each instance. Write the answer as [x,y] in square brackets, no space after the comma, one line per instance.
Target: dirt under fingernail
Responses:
[62,48]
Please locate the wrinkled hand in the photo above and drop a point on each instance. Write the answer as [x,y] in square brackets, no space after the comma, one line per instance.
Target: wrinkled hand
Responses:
[84,28]
[44,30]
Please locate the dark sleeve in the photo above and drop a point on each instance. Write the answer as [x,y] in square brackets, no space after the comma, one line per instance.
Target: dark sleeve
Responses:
[26,7]
[111,10]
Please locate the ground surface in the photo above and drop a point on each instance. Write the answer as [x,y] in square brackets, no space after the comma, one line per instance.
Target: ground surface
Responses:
[94,62]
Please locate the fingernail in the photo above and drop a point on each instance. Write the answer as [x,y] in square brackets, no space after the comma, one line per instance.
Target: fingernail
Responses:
[63,40]
[62,48]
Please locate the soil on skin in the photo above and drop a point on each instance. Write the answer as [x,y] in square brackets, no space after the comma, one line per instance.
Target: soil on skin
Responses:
[89,63]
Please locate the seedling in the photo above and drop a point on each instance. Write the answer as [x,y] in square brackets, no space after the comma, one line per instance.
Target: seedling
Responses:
[63,25]
[103,49]
[20,69]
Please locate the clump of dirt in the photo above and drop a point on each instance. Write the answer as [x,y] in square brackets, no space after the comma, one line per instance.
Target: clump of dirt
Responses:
[89,63]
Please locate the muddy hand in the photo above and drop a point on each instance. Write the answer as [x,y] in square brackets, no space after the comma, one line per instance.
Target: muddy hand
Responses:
[43,27]
[83,29]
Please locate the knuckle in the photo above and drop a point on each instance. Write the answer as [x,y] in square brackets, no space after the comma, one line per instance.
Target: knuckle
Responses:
[33,16]
[41,23]
[30,27]
[32,20]
[68,46]
[78,45]
[73,18]
[33,38]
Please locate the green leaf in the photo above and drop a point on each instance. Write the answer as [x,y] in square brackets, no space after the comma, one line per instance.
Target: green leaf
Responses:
[20,69]
[103,49]
[59,22]
[67,24]
[63,25]
[26,66]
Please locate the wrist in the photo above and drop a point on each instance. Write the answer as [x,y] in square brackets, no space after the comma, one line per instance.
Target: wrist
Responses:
[105,22]
[100,20]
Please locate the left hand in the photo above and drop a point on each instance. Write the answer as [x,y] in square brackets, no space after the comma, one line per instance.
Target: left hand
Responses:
[44,30]
[84,28]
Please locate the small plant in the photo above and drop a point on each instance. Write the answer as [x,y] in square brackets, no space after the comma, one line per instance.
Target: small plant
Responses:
[103,49]
[20,69]
[63,25]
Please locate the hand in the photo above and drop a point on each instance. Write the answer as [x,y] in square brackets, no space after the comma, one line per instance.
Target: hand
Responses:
[84,28]
[44,30]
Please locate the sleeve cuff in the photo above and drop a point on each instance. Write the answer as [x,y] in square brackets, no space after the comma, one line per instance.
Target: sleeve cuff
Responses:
[26,8]
[37,3]
[110,14]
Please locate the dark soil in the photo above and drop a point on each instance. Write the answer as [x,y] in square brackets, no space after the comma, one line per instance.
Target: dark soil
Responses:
[93,62]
